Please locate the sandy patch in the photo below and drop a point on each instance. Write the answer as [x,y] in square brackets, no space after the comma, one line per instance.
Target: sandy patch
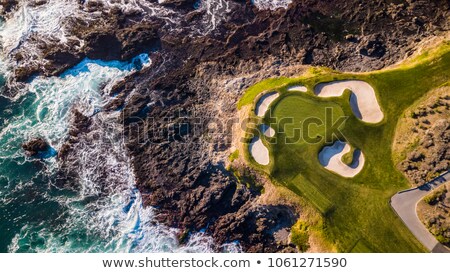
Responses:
[267,130]
[298,88]
[331,158]
[264,102]
[363,100]
[259,152]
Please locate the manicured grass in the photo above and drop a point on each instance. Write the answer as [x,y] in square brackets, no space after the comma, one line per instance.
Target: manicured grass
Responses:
[298,111]
[357,213]
[348,157]
[361,247]
[254,90]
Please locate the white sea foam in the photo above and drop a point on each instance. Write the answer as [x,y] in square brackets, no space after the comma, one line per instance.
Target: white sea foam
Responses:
[271,4]
[49,101]
[114,219]
[101,217]
[43,21]
[117,222]
[30,26]
[216,12]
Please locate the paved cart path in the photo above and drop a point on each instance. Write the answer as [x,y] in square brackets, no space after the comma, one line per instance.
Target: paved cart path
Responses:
[404,204]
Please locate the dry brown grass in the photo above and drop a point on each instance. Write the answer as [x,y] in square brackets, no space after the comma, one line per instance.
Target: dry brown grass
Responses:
[435,215]
[411,129]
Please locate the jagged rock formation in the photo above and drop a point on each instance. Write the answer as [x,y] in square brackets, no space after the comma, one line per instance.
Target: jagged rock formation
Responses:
[35,146]
[347,35]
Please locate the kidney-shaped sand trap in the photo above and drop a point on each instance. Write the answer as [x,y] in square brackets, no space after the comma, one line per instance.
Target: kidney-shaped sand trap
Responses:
[264,102]
[363,100]
[298,88]
[259,152]
[331,158]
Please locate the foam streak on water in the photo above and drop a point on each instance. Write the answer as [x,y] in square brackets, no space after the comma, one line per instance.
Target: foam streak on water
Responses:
[104,212]
[215,13]
[32,25]
[42,22]
[271,4]
[90,220]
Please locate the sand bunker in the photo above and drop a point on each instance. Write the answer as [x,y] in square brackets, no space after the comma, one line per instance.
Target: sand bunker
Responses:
[267,130]
[363,100]
[264,102]
[298,88]
[331,158]
[259,152]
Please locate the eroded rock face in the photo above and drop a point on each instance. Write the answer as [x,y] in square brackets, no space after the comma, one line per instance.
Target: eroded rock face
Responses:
[347,35]
[196,78]
[255,227]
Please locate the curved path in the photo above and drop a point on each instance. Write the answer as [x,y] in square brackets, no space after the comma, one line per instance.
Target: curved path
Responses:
[404,204]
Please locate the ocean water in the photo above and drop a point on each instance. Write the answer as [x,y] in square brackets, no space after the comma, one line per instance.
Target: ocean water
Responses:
[104,213]
[37,215]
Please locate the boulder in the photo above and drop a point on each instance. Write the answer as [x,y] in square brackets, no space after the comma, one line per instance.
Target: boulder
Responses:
[35,146]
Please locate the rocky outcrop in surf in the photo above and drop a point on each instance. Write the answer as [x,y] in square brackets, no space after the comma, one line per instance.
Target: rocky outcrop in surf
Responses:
[36,146]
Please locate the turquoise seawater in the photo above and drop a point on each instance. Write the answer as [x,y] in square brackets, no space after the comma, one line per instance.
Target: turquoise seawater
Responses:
[36,213]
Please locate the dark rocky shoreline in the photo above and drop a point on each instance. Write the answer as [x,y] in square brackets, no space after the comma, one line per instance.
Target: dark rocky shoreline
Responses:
[201,77]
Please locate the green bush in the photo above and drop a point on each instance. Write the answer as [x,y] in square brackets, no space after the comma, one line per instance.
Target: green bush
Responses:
[442,239]
[233,156]
[434,197]
[300,236]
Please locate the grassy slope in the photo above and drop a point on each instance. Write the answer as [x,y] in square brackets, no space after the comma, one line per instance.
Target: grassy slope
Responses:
[405,140]
[357,211]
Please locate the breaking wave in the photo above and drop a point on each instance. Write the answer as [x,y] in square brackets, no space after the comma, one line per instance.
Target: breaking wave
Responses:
[83,221]
[105,213]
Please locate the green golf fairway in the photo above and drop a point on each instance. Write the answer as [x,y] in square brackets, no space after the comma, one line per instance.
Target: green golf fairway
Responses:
[303,118]
[357,213]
